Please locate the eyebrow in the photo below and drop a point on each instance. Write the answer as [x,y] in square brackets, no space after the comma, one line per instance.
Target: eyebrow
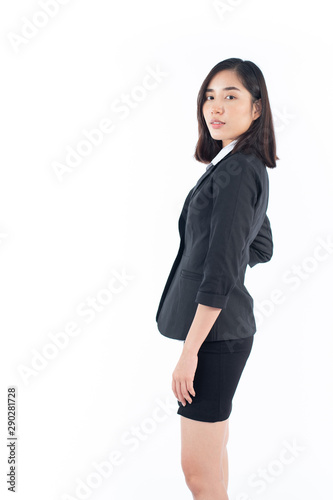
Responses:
[225,88]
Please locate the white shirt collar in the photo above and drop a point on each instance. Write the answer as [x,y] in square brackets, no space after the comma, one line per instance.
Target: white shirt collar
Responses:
[224,151]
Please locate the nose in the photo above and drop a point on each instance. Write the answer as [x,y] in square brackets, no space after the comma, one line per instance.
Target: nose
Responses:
[216,108]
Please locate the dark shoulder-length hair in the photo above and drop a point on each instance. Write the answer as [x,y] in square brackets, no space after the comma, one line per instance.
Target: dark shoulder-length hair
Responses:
[259,139]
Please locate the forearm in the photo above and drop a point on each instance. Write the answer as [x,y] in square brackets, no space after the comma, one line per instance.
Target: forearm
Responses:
[202,323]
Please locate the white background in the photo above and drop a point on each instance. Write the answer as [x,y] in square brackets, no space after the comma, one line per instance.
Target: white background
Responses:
[62,239]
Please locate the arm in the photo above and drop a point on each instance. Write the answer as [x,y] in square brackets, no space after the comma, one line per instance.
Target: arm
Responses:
[261,248]
[202,323]
[235,196]
[230,225]
[233,208]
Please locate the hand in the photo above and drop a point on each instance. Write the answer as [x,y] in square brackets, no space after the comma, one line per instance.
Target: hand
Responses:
[183,376]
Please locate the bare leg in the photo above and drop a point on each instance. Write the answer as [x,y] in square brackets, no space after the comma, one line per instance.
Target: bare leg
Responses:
[225,463]
[203,446]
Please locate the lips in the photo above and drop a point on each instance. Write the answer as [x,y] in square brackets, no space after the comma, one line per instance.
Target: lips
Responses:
[216,125]
[217,122]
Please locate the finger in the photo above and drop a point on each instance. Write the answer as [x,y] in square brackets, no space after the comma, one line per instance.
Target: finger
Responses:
[175,388]
[191,388]
[180,393]
[185,392]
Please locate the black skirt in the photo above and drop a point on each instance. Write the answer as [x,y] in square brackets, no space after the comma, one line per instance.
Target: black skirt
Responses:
[220,366]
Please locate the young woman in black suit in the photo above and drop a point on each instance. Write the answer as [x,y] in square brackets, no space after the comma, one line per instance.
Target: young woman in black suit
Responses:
[234,113]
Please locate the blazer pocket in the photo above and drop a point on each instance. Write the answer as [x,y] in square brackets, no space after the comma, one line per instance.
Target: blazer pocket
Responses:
[191,275]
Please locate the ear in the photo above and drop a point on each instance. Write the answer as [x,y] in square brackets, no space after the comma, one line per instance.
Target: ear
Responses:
[257,108]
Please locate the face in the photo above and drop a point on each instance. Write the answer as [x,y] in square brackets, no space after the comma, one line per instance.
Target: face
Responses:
[227,100]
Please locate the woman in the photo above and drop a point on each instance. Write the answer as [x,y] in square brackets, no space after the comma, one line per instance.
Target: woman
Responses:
[223,228]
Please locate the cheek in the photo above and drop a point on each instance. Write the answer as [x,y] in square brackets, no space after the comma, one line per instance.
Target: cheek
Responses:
[206,112]
[205,108]
[242,114]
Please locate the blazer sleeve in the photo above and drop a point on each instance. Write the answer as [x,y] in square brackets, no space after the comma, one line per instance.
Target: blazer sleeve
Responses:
[230,225]
[261,248]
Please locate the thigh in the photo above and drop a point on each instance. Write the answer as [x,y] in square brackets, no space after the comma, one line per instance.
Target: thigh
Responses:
[220,365]
[234,357]
[202,446]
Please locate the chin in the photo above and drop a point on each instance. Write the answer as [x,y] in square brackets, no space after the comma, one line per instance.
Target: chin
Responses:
[217,137]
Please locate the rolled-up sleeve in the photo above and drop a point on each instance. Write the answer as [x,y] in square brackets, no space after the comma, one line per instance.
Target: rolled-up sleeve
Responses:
[261,248]
[233,207]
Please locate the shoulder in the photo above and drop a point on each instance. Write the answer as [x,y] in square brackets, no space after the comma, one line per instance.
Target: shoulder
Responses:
[245,160]
[240,165]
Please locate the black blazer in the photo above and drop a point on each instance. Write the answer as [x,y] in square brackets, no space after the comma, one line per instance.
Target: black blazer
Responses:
[223,228]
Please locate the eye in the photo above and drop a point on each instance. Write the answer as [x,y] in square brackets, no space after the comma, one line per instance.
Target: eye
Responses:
[207,98]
